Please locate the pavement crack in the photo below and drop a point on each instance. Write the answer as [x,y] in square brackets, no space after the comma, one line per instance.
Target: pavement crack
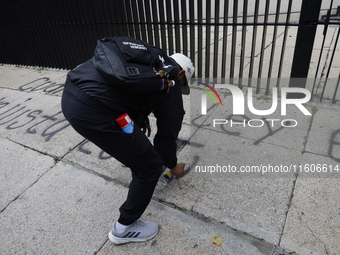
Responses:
[72,148]
[28,187]
[268,45]
[296,178]
[289,205]
[318,239]
[258,54]
[318,86]
[105,177]
[202,217]
[101,247]
[257,242]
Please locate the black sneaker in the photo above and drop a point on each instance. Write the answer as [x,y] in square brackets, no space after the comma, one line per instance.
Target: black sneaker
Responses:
[139,231]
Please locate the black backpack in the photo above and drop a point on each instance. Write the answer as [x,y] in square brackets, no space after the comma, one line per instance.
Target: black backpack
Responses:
[133,65]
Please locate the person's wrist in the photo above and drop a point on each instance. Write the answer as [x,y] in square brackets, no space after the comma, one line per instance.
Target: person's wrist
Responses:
[173,167]
[172,170]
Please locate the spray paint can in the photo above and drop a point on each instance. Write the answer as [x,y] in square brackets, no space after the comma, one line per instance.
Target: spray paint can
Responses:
[125,123]
[168,177]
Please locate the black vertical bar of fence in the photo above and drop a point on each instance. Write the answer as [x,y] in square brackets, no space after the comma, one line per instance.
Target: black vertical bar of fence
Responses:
[116,28]
[155,21]
[263,44]
[73,43]
[129,18]
[92,21]
[57,30]
[148,20]
[163,26]
[22,52]
[89,24]
[207,39]
[243,41]
[330,64]
[225,36]
[7,50]
[170,27]
[177,27]
[5,56]
[124,18]
[63,35]
[136,24]
[283,50]
[309,17]
[18,28]
[200,38]
[109,20]
[12,31]
[99,18]
[142,19]
[184,27]
[4,52]
[13,34]
[233,43]
[120,18]
[322,46]
[108,12]
[113,25]
[272,54]
[47,28]
[81,31]
[33,34]
[3,47]
[336,90]
[216,37]
[41,38]
[253,42]
[13,42]
[90,32]
[68,29]
[78,40]
[192,30]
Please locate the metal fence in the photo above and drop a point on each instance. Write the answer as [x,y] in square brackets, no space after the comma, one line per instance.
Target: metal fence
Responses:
[237,40]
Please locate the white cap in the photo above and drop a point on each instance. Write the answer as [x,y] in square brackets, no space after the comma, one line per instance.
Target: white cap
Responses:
[187,65]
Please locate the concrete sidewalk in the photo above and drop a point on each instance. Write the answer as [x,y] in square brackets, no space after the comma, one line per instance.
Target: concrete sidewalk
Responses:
[59,194]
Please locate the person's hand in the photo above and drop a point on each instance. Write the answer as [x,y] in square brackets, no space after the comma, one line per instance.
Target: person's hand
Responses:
[146,127]
[178,170]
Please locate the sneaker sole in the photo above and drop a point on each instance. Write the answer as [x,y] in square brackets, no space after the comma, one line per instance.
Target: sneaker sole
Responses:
[121,240]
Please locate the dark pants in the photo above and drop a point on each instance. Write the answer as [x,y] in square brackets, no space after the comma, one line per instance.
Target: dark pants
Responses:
[133,150]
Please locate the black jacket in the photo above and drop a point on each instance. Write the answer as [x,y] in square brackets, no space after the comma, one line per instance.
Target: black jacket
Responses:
[167,107]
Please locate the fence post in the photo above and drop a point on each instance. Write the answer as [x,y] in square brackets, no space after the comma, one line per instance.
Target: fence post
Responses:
[309,17]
